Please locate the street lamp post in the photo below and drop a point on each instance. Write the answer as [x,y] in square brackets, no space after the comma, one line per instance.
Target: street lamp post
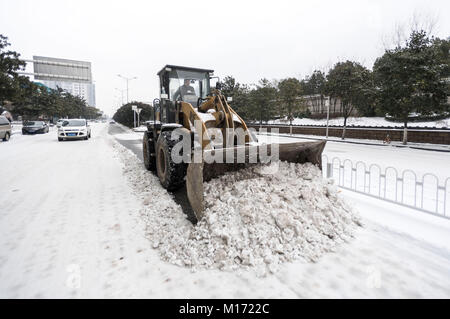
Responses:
[134,108]
[128,80]
[138,111]
[121,92]
[328,114]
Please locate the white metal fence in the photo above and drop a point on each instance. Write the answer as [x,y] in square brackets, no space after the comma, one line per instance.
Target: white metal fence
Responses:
[425,193]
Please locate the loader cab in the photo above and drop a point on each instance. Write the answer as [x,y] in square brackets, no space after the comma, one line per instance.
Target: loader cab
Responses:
[178,83]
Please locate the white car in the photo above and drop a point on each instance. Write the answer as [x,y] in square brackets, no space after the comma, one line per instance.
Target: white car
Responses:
[74,129]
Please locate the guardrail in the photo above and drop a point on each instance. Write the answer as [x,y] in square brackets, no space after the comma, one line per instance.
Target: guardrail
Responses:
[427,194]
[415,135]
[421,128]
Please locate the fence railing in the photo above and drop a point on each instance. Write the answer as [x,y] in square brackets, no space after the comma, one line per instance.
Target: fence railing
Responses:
[426,193]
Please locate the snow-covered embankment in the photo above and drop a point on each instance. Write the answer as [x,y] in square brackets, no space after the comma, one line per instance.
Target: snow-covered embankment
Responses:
[256,218]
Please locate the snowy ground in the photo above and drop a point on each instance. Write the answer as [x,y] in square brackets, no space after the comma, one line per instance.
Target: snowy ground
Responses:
[71,227]
[16,128]
[406,163]
[364,121]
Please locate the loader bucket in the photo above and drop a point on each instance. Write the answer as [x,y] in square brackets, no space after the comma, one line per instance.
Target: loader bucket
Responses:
[199,173]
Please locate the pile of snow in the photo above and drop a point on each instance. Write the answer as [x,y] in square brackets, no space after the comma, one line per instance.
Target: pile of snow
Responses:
[364,121]
[259,217]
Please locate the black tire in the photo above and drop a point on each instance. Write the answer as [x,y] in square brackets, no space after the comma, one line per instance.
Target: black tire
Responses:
[7,136]
[60,139]
[148,149]
[171,175]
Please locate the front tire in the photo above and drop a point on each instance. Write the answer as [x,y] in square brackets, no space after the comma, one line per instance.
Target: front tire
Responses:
[7,136]
[148,149]
[60,139]
[171,175]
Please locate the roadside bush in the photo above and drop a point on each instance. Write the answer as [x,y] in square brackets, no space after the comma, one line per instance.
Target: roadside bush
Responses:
[125,116]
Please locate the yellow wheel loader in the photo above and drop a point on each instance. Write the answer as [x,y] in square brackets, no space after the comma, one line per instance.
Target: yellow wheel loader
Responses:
[196,136]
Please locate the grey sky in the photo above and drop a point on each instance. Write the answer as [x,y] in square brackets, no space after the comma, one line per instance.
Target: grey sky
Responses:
[246,39]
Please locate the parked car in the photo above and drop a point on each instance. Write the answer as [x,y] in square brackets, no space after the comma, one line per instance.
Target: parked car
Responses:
[34,127]
[5,128]
[74,129]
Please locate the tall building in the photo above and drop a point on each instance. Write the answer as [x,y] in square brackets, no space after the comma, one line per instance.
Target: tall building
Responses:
[74,77]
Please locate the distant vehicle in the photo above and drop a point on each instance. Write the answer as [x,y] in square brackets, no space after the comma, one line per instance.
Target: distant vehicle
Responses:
[74,129]
[5,128]
[59,123]
[35,127]
[112,122]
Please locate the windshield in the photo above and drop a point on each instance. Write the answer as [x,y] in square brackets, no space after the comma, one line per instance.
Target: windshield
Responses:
[188,86]
[38,123]
[70,123]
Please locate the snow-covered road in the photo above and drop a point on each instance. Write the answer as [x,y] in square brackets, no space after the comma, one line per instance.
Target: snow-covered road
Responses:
[70,228]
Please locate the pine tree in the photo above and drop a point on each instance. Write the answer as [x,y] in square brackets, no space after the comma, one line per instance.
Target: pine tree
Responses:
[290,91]
[350,82]
[412,79]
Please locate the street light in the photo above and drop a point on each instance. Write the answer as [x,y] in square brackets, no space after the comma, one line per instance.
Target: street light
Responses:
[121,92]
[328,113]
[127,79]
[138,111]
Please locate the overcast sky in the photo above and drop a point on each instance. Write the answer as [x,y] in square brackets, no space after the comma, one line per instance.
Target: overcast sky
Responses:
[247,39]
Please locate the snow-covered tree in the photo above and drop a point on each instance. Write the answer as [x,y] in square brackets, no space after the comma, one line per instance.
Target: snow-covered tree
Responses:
[412,78]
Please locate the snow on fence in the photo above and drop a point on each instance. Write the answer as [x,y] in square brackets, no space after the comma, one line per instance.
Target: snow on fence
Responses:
[425,193]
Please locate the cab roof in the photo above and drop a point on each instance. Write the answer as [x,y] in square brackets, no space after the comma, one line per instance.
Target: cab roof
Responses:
[185,68]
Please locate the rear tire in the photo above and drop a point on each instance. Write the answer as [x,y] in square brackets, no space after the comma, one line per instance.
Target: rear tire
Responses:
[148,149]
[60,139]
[171,175]
[7,136]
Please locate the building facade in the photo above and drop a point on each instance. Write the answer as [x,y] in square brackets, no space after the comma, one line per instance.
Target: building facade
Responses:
[318,105]
[74,77]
